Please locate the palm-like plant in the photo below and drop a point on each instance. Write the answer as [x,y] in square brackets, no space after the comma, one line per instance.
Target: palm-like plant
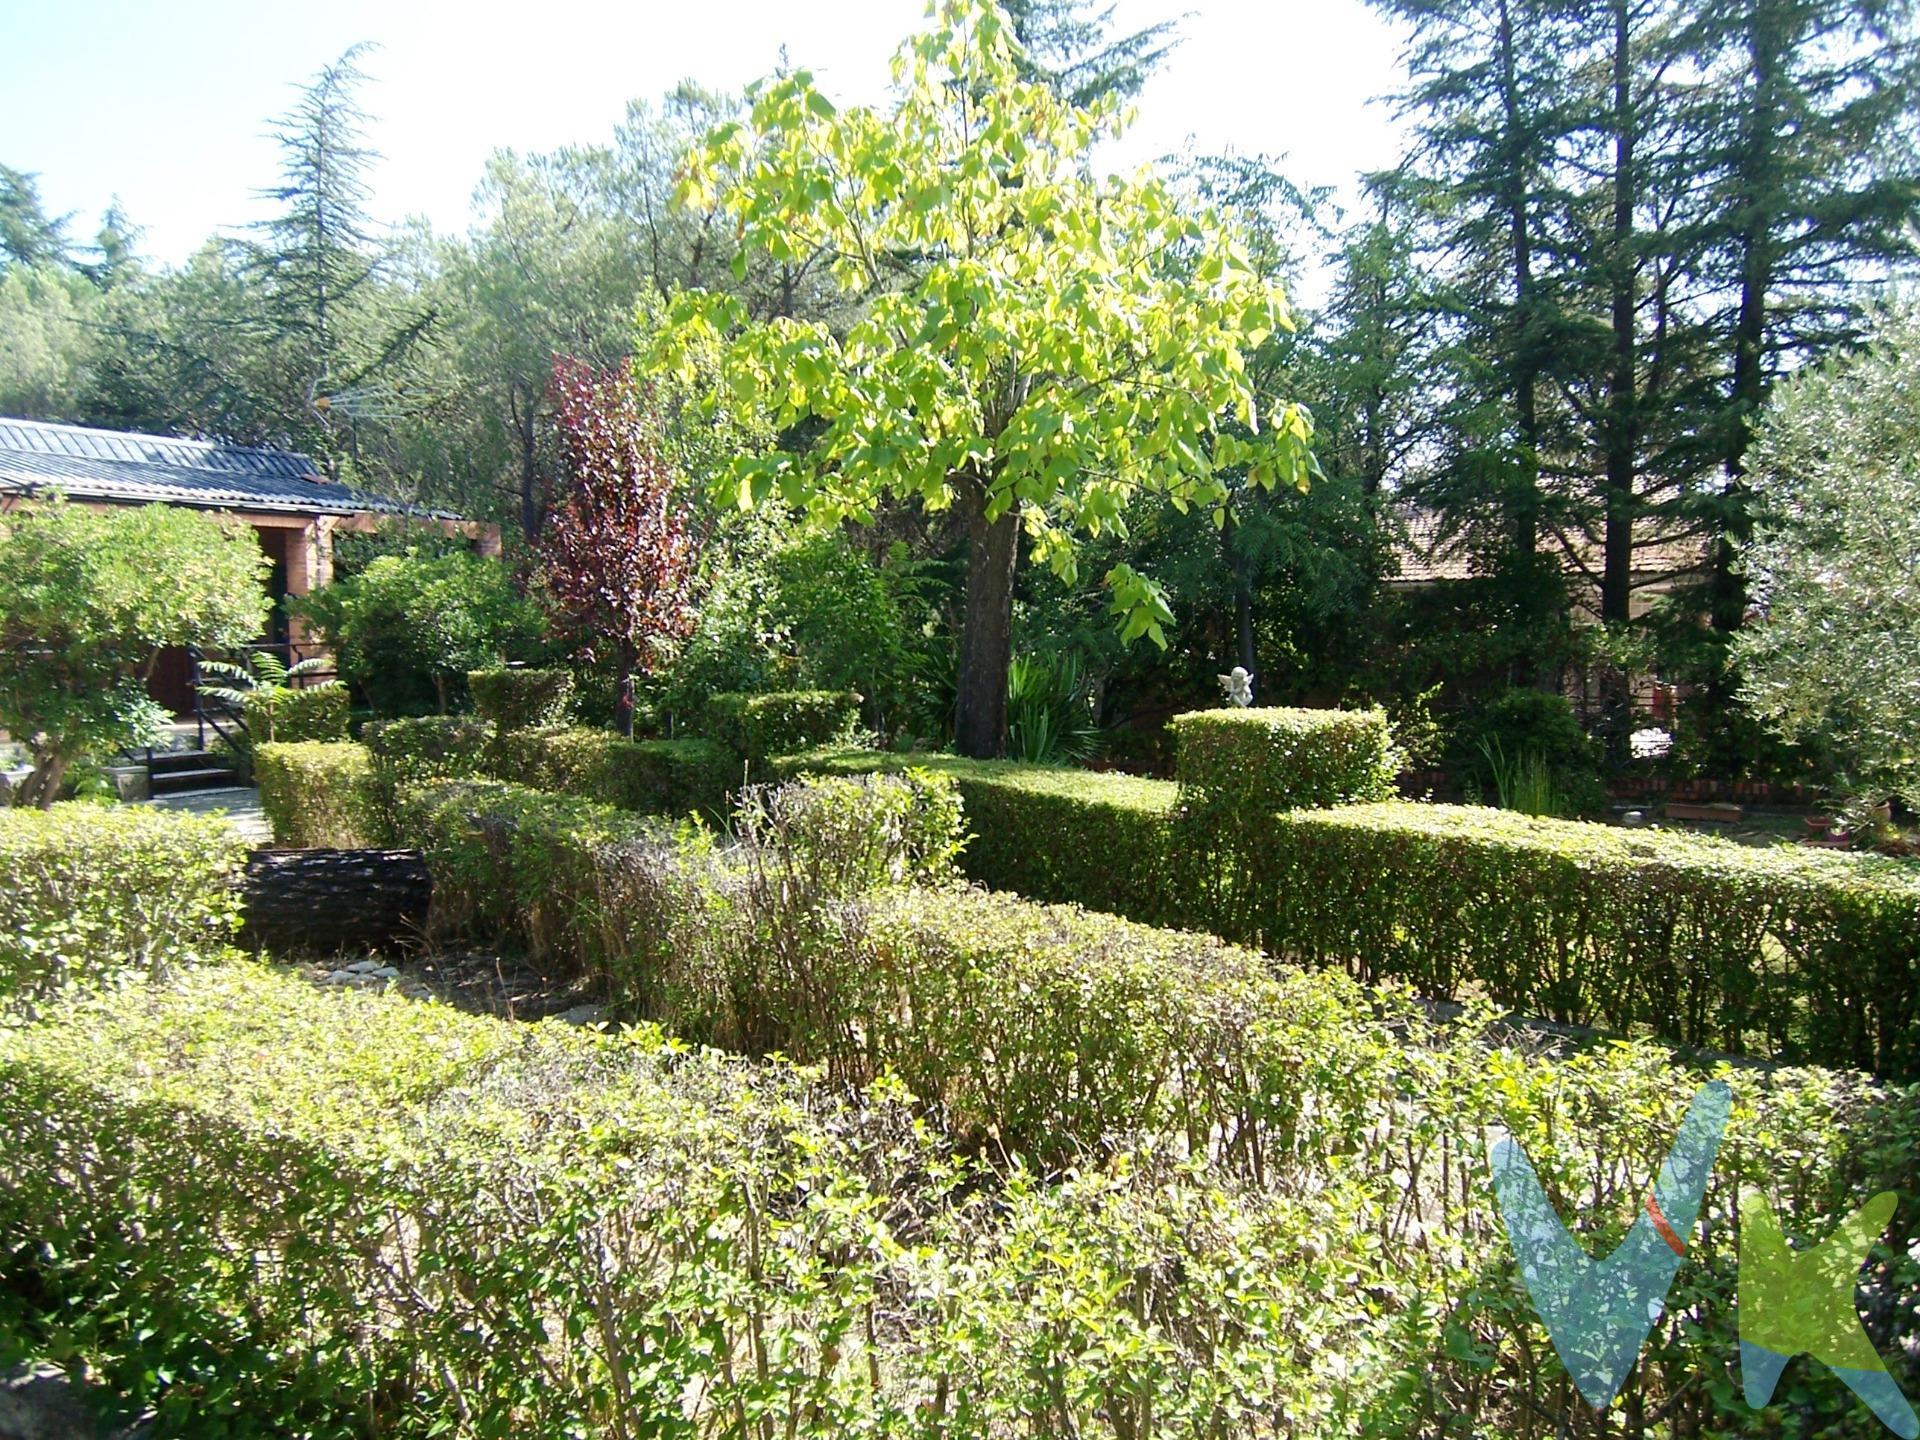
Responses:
[1050,711]
[259,685]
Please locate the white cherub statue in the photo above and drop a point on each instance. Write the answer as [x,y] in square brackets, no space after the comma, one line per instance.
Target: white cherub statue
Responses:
[1239,686]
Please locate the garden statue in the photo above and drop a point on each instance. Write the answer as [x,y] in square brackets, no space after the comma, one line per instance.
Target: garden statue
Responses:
[1239,686]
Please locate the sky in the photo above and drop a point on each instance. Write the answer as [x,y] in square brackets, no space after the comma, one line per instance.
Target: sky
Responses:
[165,103]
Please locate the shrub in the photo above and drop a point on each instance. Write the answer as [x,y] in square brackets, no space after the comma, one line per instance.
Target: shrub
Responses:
[319,795]
[409,627]
[1525,730]
[87,597]
[1776,952]
[93,891]
[641,904]
[521,699]
[1252,762]
[654,777]
[759,727]
[428,747]
[1099,839]
[326,1213]
[287,715]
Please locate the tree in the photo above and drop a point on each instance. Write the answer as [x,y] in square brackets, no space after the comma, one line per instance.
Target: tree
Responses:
[620,552]
[1835,563]
[410,626]
[1034,346]
[1489,77]
[1817,187]
[87,601]
[28,235]
[1069,47]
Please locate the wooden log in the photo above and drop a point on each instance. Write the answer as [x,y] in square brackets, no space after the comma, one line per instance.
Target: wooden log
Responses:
[334,902]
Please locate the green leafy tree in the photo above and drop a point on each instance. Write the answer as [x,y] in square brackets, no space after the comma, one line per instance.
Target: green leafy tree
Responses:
[1835,563]
[410,626]
[87,601]
[1034,346]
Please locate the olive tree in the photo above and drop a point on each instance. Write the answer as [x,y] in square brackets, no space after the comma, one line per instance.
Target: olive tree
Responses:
[88,599]
[1833,656]
[1031,344]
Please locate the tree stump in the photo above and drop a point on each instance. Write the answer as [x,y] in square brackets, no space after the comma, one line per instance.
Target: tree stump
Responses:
[334,902]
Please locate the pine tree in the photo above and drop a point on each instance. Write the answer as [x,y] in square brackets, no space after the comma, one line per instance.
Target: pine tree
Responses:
[1069,44]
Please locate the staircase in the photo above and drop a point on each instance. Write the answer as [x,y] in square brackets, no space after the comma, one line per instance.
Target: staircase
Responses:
[179,772]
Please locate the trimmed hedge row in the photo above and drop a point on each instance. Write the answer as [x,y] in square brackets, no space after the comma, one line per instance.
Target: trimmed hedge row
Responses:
[320,795]
[654,777]
[759,727]
[92,892]
[1777,952]
[619,896]
[1099,839]
[1257,761]
[521,699]
[309,1212]
[345,795]
[1780,953]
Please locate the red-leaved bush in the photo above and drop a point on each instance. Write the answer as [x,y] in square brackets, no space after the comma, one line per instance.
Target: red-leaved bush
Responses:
[621,545]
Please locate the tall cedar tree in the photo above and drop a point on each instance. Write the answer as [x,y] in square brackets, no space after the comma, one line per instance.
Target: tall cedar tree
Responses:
[620,551]
[1487,77]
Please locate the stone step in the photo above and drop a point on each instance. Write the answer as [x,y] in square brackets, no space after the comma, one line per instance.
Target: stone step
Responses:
[176,782]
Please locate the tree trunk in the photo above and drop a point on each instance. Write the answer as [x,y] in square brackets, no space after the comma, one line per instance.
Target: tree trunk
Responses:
[1622,424]
[623,667]
[986,636]
[40,789]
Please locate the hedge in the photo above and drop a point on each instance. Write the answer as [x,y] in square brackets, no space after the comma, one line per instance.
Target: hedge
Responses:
[428,747]
[615,895]
[319,795]
[521,699]
[1100,839]
[92,892]
[654,777]
[1258,761]
[266,1200]
[295,1211]
[780,722]
[312,712]
[1778,952]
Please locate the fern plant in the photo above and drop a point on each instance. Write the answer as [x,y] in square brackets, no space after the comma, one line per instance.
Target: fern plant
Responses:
[260,685]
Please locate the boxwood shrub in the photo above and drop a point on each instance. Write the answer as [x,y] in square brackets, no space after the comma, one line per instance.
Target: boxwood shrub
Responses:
[1259,760]
[654,777]
[1100,839]
[307,1212]
[1778,952]
[312,712]
[428,747]
[320,795]
[92,892]
[326,1213]
[780,722]
[521,699]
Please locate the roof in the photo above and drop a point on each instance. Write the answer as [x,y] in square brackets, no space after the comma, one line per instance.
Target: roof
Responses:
[1429,553]
[118,465]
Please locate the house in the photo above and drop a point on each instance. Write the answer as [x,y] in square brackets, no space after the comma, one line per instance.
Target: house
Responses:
[292,507]
[1427,554]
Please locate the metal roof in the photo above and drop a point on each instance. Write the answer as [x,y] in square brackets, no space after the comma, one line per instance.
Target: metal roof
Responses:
[86,464]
